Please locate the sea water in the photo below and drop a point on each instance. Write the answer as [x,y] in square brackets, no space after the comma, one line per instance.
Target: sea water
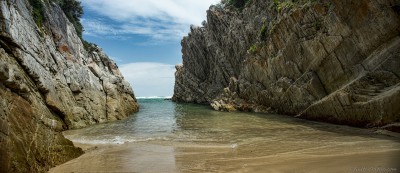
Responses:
[170,137]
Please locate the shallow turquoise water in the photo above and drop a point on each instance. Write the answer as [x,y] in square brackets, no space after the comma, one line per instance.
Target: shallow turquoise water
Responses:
[164,120]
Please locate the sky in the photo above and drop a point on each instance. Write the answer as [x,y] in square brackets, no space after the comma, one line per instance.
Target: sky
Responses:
[143,37]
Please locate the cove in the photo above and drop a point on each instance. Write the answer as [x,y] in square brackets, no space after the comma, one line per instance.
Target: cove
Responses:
[171,137]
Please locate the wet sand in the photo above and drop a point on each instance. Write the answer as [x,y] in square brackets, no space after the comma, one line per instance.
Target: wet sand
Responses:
[180,157]
[169,137]
[121,158]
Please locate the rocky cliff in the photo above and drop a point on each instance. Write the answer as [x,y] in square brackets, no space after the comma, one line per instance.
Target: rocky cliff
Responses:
[329,60]
[50,83]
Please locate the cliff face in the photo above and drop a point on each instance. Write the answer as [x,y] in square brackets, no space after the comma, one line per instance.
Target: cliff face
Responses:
[50,83]
[331,60]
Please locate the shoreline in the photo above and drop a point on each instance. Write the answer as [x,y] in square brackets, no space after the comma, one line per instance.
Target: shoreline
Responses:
[192,157]
[393,127]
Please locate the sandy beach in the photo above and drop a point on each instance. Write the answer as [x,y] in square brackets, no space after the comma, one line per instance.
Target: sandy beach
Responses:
[196,139]
[164,157]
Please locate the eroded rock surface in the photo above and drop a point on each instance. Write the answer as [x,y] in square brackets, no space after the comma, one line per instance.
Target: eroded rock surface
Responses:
[50,83]
[330,60]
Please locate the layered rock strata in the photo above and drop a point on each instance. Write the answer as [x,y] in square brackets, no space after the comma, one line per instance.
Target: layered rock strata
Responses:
[50,83]
[330,60]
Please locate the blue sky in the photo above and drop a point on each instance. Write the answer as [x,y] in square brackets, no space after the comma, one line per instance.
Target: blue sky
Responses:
[143,37]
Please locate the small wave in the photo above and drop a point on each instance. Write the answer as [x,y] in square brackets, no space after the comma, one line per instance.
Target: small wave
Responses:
[155,97]
[116,140]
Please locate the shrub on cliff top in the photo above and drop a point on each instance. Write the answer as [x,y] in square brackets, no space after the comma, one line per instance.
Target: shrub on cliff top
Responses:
[37,12]
[74,11]
[71,8]
[89,47]
[236,3]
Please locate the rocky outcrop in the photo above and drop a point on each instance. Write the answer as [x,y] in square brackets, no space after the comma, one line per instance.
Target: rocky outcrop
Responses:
[330,60]
[50,83]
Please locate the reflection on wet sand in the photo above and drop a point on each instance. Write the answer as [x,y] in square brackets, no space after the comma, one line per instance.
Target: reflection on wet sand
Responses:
[164,157]
[122,158]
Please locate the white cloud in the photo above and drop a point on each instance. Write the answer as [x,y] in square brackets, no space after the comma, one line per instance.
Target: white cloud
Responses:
[149,79]
[158,19]
[94,27]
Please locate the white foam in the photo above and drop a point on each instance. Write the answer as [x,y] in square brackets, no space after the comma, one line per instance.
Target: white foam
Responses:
[233,146]
[155,97]
[116,140]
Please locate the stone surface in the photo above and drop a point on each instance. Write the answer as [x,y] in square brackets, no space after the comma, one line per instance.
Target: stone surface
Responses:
[330,60]
[50,83]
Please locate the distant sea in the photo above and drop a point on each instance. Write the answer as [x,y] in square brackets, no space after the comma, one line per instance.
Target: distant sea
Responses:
[155,97]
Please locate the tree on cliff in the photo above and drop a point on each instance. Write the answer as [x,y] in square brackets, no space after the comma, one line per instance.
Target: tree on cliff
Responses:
[235,3]
[73,10]
[37,12]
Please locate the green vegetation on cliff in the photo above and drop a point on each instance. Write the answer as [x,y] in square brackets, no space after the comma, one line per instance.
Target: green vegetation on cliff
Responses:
[236,3]
[37,12]
[72,9]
